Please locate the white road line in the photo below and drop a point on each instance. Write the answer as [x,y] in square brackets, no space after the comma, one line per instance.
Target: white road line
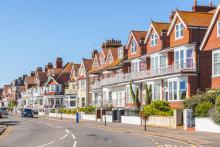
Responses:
[75,143]
[67,131]
[63,137]
[74,137]
[47,144]
[59,127]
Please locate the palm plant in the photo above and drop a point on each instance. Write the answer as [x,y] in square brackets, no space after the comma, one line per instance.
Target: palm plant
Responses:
[148,97]
[135,97]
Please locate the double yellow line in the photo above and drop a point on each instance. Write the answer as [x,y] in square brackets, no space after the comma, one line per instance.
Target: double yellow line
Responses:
[6,132]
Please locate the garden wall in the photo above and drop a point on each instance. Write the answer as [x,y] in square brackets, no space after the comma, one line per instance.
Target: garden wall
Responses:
[156,121]
[201,125]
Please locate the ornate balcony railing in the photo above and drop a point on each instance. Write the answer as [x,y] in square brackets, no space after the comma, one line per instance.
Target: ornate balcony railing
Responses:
[144,74]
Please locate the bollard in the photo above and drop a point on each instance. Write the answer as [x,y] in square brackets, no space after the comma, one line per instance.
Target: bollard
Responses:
[77,117]
[145,124]
[105,121]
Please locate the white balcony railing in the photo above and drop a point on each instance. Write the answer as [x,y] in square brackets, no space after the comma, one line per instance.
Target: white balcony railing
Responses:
[144,74]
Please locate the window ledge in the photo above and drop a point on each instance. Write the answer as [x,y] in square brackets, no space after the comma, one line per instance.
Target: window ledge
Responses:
[179,38]
[215,76]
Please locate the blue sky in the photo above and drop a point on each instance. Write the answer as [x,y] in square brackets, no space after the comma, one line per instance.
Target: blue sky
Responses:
[35,32]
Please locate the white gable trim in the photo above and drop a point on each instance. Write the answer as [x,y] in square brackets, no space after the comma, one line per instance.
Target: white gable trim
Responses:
[82,67]
[95,60]
[212,24]
[49,79]
[174,21]
[149,32]
[131,36]
[110,52]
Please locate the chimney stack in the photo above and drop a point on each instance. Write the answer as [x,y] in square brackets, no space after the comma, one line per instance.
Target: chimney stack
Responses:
[39,69]
[205,8]
[32,73]
[59,63]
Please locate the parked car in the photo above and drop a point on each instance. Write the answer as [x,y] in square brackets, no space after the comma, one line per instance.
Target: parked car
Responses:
[27,113]
[4,111]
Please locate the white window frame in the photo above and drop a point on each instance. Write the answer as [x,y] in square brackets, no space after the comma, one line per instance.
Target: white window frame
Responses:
[183,62]
[133,47]
[179,29]
[213,63]
[120,53]
[177,80]
[218,28]
[154,39]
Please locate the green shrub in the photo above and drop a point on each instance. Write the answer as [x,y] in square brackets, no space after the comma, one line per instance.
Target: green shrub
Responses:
[216,118]
[158,108]
[202,109]
[217,104]
[89,109]
[209,96]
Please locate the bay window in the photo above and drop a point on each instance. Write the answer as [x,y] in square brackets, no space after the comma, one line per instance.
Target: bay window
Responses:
[183,58]
[216,63]
[179,31]
[177,90]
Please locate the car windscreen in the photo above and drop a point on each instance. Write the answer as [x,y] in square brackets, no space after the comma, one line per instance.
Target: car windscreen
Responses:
[28,110]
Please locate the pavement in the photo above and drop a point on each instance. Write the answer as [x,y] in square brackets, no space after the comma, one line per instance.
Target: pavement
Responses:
[188,137]
[46,132]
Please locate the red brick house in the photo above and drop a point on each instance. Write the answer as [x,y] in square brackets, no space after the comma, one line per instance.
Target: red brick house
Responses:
[210,53]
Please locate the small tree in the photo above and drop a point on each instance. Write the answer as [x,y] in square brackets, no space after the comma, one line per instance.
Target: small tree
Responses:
[148,97]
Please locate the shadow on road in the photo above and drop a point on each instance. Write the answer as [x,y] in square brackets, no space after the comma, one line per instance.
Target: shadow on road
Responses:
[9,123]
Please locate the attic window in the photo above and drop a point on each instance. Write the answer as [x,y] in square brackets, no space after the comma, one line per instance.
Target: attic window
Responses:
[133,47]
[218,28]
[153,39]
[120,53]
[179,31]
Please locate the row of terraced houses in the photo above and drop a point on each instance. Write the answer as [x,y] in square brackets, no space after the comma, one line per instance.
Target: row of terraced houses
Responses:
[177,58]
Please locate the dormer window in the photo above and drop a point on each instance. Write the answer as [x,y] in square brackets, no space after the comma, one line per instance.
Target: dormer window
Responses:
[179,31]
[153,39]
[133,47]
[218,28]
[120,53]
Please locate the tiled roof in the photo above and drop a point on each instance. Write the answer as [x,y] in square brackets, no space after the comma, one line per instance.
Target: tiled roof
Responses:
[106,66]
[55,71]
[30,80]
[196,19]
[63,78]
[160,27]
[88,64]
[139,35]
[114,52]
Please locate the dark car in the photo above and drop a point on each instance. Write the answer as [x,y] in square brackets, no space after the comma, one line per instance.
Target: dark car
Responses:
[4,111]
[0,114]
[27,113]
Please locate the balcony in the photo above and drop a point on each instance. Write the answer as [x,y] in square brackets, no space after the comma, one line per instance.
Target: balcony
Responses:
[145,74]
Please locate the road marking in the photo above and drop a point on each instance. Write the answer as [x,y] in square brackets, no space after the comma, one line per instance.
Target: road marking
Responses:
[67,131]
[47,144]
[75,143]
[74,137]
[59,127]
[63,137]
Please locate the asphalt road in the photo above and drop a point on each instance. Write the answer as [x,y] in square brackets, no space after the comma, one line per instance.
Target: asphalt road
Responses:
[39,132]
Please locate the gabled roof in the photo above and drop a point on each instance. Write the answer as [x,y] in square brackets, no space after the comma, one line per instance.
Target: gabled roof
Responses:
[137,35]
[87,63]
[95,59]
[158,27]
[211,26]
[191,19]
[30,80]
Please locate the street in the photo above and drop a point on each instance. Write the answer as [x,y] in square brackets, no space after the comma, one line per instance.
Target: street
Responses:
[40,132]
